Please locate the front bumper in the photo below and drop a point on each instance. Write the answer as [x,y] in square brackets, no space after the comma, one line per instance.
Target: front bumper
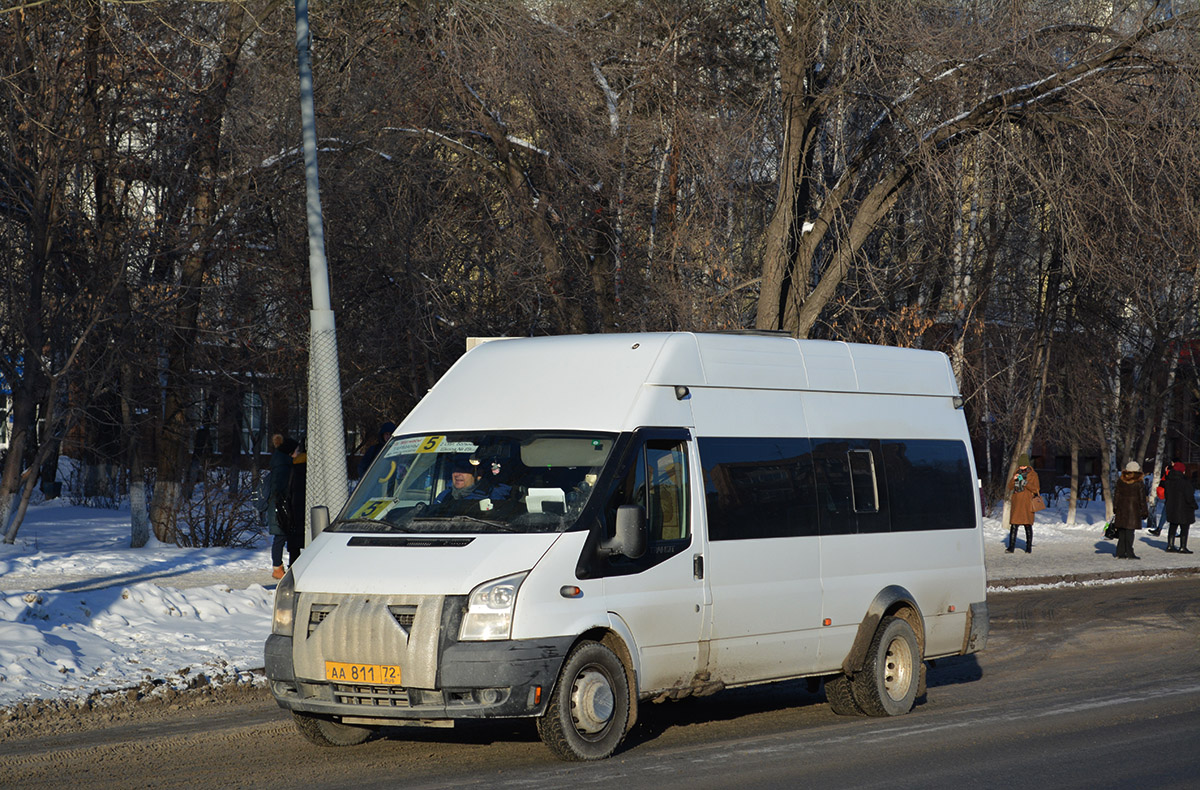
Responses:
[476,680]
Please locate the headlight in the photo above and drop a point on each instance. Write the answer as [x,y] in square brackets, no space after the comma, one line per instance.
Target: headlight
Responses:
[490,609]
[285,606]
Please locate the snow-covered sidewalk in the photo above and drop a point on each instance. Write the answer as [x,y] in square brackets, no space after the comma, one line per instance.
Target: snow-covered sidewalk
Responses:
[1077,553]
[81,613]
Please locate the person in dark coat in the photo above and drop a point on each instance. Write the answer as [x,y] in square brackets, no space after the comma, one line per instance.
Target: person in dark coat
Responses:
[370,451]
[295,503]
[1024,487]
[1179,506]
[278,483]
[1129,509]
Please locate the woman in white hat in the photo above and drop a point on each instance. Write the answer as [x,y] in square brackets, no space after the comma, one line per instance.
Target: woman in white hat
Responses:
[1129,509]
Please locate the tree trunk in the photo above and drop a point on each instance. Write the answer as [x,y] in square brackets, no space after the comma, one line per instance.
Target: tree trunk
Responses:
[1048,304]
[30,480]
[1031,417]
[139,534]
[801,317]
[176,427]
[1073,502]
[1163,423]
[785,233]
[1108,444]
[10,481]
[568,311]
[1141,450]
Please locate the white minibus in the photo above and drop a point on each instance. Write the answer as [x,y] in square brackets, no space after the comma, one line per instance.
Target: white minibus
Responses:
[567,527]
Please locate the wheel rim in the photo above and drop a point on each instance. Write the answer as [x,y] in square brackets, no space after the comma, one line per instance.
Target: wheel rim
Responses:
[591,701]
[897,669]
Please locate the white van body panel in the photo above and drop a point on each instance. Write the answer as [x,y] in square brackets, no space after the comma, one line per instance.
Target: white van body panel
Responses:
[854,567]
[560,382]
[819,365]
[766,621]
[332,565]
[663,609]
[542,610]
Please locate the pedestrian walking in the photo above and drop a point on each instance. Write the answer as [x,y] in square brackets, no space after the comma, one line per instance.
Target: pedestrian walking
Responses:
[1024,487]
[1129,509]
[1179,506]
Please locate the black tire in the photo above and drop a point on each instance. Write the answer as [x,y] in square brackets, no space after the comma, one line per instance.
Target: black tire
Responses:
[840,695]
[327,732]
[589,709]
[887,684]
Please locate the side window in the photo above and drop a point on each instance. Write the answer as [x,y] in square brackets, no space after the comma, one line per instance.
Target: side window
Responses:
[657,480]
[851,486]
[831,463]
[758,487]
[930,484]
[864,488]
[666,494]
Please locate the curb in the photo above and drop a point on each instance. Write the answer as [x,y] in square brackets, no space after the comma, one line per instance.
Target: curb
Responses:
[1083,578]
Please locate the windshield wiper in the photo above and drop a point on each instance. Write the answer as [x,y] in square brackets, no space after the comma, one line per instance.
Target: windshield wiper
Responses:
[382,525]
[497,524]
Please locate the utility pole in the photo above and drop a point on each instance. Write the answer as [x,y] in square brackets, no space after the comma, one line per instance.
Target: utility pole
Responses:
[326,480]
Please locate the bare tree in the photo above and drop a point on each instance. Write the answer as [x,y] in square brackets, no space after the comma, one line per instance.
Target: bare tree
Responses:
[847,69]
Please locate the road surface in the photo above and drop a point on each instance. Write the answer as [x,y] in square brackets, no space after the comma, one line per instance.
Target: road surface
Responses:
[1087,687]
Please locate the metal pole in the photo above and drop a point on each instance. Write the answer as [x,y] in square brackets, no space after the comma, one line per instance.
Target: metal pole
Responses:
[326,482]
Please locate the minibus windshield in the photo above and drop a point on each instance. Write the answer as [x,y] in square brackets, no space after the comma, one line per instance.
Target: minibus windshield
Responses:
[512,481]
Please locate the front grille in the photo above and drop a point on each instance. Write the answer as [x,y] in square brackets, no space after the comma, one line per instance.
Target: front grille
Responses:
[404,615]
[373,696]
[317,614]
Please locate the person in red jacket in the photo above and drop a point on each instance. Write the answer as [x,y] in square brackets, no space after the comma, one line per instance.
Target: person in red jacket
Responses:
[1160,492]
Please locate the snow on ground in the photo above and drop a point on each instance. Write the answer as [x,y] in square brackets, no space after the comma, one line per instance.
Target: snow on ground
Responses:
[81,612]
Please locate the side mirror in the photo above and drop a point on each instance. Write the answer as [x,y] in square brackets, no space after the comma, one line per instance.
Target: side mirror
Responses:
[631,539]
[318,519]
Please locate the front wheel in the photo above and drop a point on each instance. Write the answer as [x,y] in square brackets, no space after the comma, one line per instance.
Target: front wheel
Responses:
[589,709]
[887,685]
[327,732]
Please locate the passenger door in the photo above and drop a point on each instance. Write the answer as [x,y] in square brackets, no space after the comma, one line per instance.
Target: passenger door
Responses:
[659,596]
[763,555]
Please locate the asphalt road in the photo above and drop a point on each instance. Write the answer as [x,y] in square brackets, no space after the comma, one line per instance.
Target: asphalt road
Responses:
[1093,687]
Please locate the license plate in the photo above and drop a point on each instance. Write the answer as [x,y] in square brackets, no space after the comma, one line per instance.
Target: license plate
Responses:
[375,674]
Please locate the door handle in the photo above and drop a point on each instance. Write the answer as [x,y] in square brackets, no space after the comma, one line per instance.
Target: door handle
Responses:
[698,566]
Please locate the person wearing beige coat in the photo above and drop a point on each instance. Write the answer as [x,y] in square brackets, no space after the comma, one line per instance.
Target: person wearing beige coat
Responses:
[1024,486]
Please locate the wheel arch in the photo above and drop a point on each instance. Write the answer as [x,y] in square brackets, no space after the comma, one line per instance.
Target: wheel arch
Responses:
[614,640]
[893,601]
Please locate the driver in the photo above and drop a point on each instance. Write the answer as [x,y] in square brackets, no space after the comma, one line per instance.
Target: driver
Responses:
[467,486]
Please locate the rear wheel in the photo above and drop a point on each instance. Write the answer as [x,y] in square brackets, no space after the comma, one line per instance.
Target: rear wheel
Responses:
[887,685]
[589,709]
[840,695]
[327,732]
